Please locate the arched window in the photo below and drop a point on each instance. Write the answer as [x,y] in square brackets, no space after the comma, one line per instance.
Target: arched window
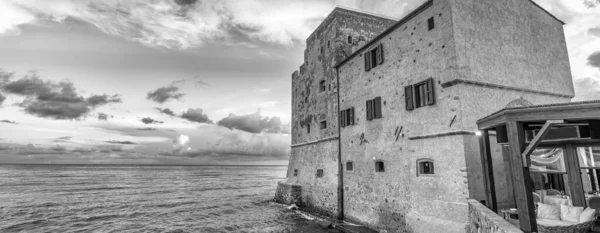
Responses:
[425,167]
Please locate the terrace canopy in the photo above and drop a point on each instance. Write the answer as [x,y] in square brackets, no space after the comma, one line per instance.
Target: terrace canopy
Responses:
[573,129]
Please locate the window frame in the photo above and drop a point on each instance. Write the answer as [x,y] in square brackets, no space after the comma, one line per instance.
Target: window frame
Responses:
[420,167]
[322,86]
[323,124]
[351,166]
[431,23]
[378,168]
[295,172]
[320,173]
[413,94]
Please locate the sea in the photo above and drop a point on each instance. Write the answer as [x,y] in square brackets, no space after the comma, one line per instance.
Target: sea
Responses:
[125,198]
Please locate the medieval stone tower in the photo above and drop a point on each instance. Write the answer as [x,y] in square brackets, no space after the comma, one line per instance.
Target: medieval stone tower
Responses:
[410,91]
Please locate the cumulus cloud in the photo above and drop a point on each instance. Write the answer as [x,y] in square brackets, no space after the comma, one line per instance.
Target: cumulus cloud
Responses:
[587,89]
[121,142]
[54,100]
[148,120]
[594,59]
[254,123]
[164,94]
[196,115]
[176,24]
[165,111]
[9,122]
[180,144]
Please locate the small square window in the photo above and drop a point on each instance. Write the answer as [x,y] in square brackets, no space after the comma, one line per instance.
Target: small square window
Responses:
[295,172]
[323,124]
[425,167]
[319,173]
[430,23]
[379,166]
[349,166]
[322,86]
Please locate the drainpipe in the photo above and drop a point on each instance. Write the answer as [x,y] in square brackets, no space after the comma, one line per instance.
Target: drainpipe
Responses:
[340,216]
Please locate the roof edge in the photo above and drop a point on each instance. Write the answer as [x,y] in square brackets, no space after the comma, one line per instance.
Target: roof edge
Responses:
[401,22]
[547,12]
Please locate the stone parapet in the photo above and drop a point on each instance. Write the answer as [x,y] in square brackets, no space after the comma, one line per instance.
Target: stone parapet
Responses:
[484,220]
[288,193]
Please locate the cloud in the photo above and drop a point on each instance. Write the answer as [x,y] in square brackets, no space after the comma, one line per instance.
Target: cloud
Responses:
[595,31]
[594,59]
[147,129]
[166,111]
[176,24]
[121,142]
[2,98]
[587,89]
[180,144]
[54,100]
[254,123]
[148,120]
[164,94]
[9,122]
[199,82]
[62,139]
[104,116]
[196,115]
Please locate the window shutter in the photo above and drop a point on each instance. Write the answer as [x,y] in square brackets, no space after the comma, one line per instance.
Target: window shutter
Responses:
[408,97]
[377,108]
[369,109]
[429,92]
[351,116]
[380,54]
[343,118]
[367,56]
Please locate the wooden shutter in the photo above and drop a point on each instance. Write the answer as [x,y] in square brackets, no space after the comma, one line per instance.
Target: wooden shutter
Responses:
[408,97]
[429,92]
[369,109]
[380,54]
[351,116]
[343,118]
[377,108]
[367,56]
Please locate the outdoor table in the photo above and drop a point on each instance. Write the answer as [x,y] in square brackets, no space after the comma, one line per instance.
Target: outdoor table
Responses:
[558,200]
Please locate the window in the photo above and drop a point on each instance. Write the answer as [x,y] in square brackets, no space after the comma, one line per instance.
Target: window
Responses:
[374,109]
[374,57]
[319,173]
[419,95]
[347,117]
[349,39]
[295,172]
[425,167]
[328,44]
[323,124]
[308,128]
[430,23]
[322,86]
[379,167]
[349,166]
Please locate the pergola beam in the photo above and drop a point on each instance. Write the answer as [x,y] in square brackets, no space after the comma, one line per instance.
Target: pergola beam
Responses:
[537,140]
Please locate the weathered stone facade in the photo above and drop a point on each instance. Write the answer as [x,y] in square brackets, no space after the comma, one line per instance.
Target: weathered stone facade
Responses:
[482,55]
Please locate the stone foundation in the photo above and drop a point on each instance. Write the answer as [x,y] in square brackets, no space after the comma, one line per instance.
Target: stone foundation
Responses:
[484,220]
[288,193]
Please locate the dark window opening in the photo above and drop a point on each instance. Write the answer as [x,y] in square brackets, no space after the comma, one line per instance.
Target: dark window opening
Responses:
[295,172]
[374,57]
[347,117]
[323,124]
[319,173]
[308,128]
[430,23]
[379,167]
[322,86]
[328,44]
[349,39]
[374,109]
[419,95]
[425,167]
[349,166]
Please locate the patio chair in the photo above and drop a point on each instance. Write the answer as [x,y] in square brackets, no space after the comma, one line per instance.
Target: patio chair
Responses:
[552,192]
[594,202]
[559,226]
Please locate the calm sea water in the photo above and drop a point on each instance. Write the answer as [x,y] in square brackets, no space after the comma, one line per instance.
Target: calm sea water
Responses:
[55,198]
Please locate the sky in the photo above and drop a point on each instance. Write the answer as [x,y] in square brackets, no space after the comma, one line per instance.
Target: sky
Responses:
[182,81]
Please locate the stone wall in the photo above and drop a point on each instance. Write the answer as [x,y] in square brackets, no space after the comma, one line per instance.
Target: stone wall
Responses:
[484,220]
[288,193]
